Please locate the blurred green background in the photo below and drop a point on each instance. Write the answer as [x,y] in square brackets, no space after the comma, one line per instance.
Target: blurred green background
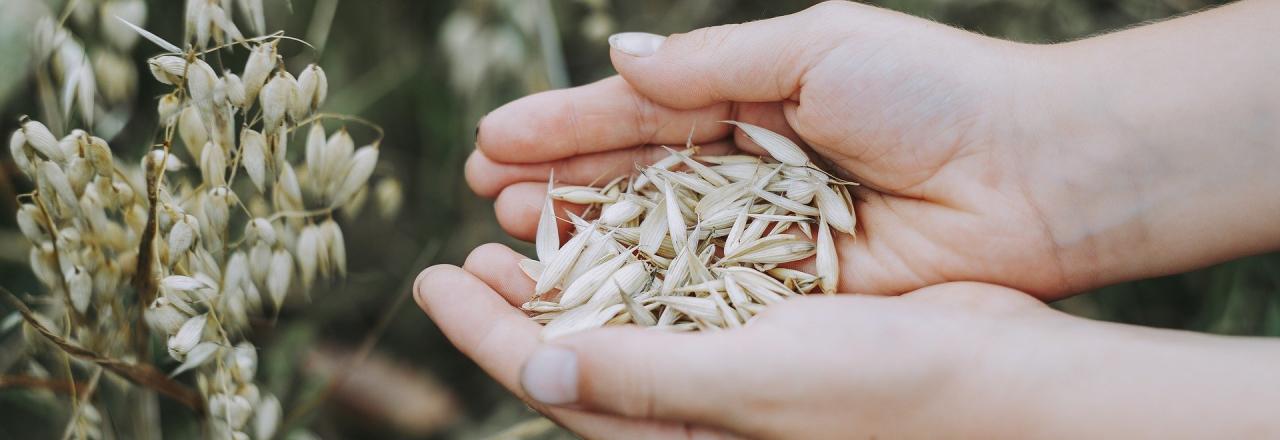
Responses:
[426,71]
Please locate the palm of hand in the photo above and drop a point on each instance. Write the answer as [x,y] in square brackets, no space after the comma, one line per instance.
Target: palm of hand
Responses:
[936,147]
[926,134]
[788,379]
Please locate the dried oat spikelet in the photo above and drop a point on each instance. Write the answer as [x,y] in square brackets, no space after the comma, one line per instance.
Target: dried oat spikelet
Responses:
[201,81]
[253,147]
[275,99]
[20,152]
[835,211]
[777,145]
[559,266]
[310,253]
[389,196]
[164,317]
[81,288]
[313,88]
[827,261]
[213,165]
[192,131]
[279,276]
[38,136]
[182,236]
[584,287]
[335,246]
[693,242]
[334,153]
[234,89]
[187,336]
[314,156]
[258,67]
[547,241]
[362,164]
[168,69]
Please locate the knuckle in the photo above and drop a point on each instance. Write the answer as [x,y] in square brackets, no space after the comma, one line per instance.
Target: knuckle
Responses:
[648,396]
[481,254]
[706,38]
[618,380]
[644,117]
[683,40]
[828,7]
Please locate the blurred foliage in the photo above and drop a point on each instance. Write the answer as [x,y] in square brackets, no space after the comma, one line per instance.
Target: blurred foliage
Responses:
[426,71]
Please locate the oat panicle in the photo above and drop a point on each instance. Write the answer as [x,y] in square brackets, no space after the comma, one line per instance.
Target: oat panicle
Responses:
[156,243]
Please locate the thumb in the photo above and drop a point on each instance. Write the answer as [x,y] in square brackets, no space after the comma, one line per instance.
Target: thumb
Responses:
[636,373]
[760,61]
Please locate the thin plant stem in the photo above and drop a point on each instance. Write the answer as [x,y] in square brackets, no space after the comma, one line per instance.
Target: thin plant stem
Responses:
[363,351]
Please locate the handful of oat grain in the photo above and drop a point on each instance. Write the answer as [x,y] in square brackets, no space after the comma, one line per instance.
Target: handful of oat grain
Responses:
[691,243]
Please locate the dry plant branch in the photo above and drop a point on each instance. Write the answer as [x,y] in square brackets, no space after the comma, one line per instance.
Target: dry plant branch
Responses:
[142,374]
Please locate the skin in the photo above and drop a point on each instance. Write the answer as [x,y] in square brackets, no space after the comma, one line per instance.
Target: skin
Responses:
[1048,169]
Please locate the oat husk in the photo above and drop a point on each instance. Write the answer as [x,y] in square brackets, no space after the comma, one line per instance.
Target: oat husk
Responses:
[691,242]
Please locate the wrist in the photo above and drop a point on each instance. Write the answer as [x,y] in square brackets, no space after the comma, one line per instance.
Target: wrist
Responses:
[1142,159]
[1072,162]
[998,370]
[1120,195]
[1046,375]
[1012,387]
[1074,377]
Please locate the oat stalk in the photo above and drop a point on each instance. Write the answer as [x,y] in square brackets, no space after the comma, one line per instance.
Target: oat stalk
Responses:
[142,374]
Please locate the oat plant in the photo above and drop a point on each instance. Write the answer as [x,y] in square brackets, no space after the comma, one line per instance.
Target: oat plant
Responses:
[81,64]
[207,235]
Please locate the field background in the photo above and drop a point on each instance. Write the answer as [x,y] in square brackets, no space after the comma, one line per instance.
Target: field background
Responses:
[426,71]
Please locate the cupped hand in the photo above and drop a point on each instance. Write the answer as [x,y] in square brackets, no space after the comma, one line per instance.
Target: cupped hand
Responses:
[928,118]
[847,366]
[965,360]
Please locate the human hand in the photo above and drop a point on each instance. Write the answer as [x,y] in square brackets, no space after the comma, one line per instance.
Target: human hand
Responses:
[922,114]
[1047,168]
[962,359]
[809,367]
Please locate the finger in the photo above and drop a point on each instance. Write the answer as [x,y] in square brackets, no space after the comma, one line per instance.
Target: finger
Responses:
[759,61]
[518,207]
[488,177]
[476,320]
[499,338]
[499,267]
[602,116]
[638,373]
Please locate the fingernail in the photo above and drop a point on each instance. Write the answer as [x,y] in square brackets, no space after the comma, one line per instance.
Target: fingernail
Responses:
[636,44]
[419,290]
[550,376]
